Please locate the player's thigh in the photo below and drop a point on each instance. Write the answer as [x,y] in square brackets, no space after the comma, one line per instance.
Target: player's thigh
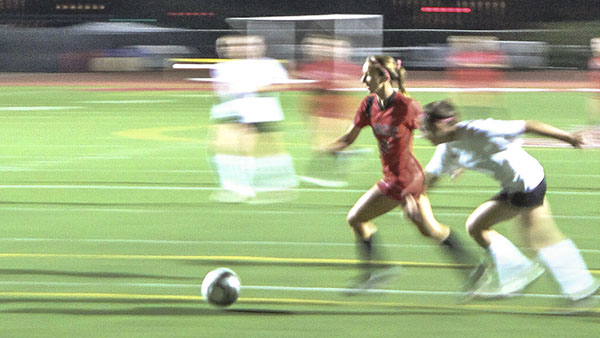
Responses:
[427,215]
[371,204]
[539,226]
[269,143]
[426,221]
[536,215]
[490,213]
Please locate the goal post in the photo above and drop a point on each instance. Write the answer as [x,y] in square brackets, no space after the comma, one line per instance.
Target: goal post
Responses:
[284,34]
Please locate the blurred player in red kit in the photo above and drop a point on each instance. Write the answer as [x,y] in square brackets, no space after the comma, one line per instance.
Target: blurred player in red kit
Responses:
[328,103]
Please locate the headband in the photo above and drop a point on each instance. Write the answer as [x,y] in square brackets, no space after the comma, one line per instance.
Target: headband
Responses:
[379,65]
[440,118]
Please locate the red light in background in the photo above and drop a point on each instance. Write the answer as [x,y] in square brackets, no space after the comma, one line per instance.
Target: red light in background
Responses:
[190,14]
[445,9]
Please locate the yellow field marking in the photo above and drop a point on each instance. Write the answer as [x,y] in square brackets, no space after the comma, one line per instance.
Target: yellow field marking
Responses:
[290,301]
[159,133]
[95,295]
[252,259]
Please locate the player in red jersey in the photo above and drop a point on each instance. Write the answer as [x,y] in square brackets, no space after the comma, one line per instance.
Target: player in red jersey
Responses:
[393,116]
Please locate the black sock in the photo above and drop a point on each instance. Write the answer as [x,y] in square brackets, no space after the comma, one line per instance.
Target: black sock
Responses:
[459,254]
[366,252]
[366,248]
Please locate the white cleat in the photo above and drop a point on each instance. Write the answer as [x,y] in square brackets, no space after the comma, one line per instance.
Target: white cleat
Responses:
[491,287]
[585,301]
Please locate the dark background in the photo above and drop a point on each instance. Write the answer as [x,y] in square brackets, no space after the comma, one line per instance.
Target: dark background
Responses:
[485,14]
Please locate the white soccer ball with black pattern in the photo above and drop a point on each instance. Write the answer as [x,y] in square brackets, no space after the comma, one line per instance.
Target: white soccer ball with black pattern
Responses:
[221,287]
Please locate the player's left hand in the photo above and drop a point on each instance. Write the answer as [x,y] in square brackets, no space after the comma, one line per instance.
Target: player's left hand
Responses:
[411,208]
[576,140]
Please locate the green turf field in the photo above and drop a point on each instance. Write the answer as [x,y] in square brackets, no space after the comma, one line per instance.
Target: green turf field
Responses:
[107,229]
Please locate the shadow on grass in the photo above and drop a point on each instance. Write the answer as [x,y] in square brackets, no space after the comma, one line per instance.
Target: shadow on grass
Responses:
[88,274]
[201,311]
[216,312]
[194,310]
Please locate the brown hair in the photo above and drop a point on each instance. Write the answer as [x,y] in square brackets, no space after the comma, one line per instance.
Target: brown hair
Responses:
[392,67]
[440,110]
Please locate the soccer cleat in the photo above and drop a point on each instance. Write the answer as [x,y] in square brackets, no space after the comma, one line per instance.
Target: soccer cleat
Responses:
[374,280]
[476,276]
[480,277]
[275,196]
[588,302]
[588,291]
[228,196]
[490,288]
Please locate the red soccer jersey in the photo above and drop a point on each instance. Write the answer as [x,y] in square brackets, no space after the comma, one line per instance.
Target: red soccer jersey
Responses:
[393,126]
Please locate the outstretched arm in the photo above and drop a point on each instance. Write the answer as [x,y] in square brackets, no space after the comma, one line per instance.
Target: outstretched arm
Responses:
[345,140]
[543,129]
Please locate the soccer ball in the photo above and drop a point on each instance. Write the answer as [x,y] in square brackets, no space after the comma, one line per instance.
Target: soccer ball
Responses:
[221,287]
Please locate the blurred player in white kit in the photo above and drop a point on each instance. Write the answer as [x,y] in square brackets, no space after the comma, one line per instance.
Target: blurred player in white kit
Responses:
[248,153]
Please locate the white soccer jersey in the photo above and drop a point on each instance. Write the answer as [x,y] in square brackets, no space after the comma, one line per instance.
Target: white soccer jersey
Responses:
[239,82]
[489,146]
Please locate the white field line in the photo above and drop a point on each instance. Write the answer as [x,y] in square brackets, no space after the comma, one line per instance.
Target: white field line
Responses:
[287,81]
[373,158]
[187,117]
[265,288]
[141,171]
[152,209]
[192,95]
[175,188]
[225,243]
[196,242]
[438,89]
[118,152]
[483,89]
[40,108]
[9,168]
[42,145]
[127,101]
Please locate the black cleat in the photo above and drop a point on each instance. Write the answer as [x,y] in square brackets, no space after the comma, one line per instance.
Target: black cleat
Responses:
[374,280]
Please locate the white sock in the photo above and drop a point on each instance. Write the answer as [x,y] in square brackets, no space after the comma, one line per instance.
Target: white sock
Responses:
[509,260]
[568,268]
[274,173]
[235,172]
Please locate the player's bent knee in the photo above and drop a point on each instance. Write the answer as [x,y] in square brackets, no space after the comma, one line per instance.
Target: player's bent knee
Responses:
[353,220]
[474,228]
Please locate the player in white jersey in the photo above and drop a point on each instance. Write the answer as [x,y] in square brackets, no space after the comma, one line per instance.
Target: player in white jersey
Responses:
[249,157]
[489,146]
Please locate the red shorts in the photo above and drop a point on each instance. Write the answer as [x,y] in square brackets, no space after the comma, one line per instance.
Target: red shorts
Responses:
[393,188]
